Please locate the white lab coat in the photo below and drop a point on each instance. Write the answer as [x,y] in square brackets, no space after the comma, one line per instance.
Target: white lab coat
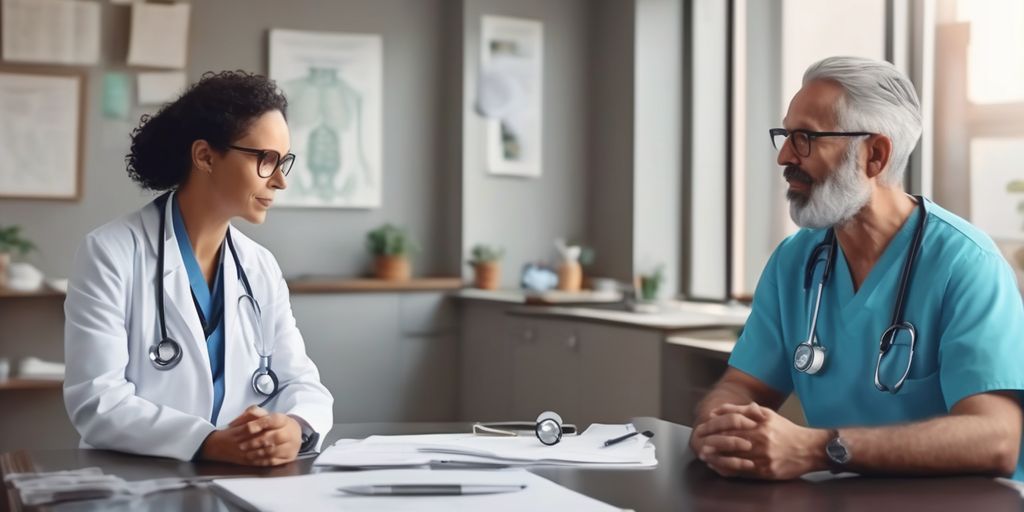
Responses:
[115,397]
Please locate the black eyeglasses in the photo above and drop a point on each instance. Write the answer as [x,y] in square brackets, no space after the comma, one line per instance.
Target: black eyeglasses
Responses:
[268,160]
[801,139]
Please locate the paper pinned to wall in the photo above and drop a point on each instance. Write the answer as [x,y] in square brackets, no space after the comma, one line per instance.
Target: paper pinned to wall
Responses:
[40,119]
[116,96]
[51,31]
[159,87]
[159,35]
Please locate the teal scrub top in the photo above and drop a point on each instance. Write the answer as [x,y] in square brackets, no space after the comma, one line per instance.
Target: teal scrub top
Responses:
[209,303]
[963,301]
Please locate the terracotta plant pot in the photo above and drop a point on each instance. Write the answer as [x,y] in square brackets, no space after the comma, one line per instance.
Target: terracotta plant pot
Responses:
[570,276]
[487,275]
[5,263]
[392,268]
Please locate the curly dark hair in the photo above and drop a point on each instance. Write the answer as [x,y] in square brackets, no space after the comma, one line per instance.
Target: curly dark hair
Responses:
[218,109]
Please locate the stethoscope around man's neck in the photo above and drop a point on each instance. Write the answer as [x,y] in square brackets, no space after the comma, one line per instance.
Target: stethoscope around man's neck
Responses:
[809,356]
[166,353]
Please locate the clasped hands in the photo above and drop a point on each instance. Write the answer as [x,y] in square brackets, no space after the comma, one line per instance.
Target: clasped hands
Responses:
[255,438]
[751,441]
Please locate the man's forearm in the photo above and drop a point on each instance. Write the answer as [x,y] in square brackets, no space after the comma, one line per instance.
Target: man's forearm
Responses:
[944,445]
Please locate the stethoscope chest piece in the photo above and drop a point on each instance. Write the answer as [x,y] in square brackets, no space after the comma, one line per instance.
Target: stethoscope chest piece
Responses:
[264,380]
[549,428]
[166,354]
[809,357]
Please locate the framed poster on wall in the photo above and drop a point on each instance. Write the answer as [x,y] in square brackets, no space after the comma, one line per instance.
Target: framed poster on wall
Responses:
[42,116]
[334,90]
[511,94]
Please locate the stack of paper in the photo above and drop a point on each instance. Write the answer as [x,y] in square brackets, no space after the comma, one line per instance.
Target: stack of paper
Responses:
[320,491]
[586,449]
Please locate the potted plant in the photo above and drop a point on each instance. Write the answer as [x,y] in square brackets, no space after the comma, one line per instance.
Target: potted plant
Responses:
[11,242]
[391,247]
[650,284]
[486,262]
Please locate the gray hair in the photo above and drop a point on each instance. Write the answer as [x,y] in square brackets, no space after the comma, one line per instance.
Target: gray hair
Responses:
[877,98]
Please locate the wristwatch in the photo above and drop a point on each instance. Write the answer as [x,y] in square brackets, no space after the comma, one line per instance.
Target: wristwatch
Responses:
[837,451]
[310,437]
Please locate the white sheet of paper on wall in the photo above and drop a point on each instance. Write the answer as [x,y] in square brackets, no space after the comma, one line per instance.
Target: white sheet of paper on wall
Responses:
[51,31]
[159,87]
[159,35]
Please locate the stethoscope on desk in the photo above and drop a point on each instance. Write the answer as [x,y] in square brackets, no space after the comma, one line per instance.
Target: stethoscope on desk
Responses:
[809,356]
[166,353]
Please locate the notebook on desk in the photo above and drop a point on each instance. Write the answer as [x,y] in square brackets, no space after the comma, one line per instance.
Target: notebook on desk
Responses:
[586,449]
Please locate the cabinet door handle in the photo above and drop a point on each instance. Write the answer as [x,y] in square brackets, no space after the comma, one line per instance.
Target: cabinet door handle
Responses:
[572,342]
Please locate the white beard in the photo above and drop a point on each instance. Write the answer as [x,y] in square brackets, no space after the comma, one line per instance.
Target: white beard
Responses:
[836,201]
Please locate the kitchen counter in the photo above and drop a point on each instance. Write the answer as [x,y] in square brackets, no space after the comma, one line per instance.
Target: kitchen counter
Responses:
[673,316]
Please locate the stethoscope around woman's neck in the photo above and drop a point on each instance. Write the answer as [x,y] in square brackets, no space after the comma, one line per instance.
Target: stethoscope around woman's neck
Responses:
[166,353]
[809,356]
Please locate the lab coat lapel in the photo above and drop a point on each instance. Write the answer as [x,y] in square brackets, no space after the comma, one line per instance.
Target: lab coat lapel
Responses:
[178,304]
[240,358]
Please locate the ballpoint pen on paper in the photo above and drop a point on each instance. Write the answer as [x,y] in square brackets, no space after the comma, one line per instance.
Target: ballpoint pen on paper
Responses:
[428,489]
[616,440]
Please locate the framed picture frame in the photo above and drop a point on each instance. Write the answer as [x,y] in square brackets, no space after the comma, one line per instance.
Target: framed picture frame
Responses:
[512,64]
[42,129]
[334,86]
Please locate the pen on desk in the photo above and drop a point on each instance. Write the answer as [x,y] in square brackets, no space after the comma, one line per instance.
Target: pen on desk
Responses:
[428,489]
[616,440]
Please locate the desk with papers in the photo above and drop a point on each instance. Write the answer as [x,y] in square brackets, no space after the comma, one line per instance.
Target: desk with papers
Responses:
[678,482]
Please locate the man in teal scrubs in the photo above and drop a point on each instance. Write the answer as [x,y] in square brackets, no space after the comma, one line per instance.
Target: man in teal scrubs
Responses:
[956,409]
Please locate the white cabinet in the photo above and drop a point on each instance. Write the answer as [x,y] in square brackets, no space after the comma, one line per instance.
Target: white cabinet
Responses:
[384,356]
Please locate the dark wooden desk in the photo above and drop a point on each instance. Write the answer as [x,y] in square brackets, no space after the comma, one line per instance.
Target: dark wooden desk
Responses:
[678,483]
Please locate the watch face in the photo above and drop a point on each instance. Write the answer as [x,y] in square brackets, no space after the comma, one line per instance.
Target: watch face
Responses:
[836,450]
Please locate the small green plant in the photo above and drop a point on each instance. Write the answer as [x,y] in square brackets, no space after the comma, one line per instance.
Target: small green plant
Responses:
[12,242]
[390,240]
[650,283]
[481,253]
[587,255]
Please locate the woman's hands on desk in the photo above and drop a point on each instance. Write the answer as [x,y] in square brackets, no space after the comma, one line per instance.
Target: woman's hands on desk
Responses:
[255,438]
[756,442]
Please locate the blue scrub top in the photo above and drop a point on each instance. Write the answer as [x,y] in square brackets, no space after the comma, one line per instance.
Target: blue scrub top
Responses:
[211,302]
[963,301]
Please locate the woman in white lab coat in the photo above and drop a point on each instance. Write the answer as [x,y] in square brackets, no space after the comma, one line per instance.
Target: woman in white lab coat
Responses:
[179,335]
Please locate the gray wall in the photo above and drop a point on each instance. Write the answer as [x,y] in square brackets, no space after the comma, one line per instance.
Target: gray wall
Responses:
[525,215]
[233,35]
[610,182]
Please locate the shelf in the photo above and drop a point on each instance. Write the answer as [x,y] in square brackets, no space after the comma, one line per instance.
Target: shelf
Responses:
[549,298]
[368,285]
[30,384]
[7,293]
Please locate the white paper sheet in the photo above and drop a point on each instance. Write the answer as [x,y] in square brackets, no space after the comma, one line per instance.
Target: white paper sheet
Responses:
[585,449]
[319,492]
[159,87]
[51,31]
[159,35]
[39,121]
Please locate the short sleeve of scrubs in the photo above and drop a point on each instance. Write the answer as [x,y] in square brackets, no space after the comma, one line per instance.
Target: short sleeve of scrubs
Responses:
[760,350]
[982,345]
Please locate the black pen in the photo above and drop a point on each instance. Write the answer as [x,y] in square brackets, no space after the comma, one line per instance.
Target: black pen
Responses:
[616,440]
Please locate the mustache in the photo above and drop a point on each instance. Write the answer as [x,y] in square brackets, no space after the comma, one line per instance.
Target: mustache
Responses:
[793,173]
